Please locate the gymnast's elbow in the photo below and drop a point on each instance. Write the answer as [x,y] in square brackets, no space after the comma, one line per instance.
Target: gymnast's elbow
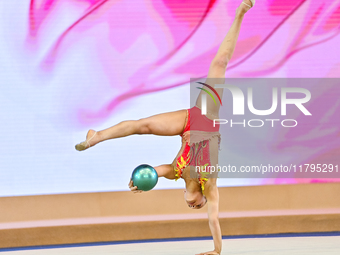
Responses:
[214,221]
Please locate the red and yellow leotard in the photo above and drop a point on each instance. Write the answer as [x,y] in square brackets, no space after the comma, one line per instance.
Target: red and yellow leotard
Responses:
[197,134]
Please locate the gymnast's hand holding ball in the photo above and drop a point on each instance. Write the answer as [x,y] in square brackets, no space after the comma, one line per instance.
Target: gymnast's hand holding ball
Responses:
[144,177]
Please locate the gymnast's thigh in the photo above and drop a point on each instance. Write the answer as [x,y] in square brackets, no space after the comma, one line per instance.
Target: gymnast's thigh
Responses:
[165,124]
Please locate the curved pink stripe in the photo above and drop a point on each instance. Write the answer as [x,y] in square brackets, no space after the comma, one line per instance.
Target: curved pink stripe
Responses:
[165,58]
[268,37]
[292,53]
[90,11]
[161,61]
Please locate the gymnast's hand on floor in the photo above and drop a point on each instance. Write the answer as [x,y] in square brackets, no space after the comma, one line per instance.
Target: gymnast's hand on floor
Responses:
[209,253]
[134,188]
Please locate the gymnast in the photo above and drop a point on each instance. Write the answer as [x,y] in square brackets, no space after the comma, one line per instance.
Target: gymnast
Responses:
[200,139]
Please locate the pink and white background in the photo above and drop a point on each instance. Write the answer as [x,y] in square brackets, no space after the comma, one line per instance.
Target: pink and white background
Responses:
[70,65]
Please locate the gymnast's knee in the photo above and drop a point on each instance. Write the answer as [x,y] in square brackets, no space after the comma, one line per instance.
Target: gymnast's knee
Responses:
[143,127]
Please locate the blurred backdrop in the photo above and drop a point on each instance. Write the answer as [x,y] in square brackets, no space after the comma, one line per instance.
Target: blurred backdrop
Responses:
[70,65]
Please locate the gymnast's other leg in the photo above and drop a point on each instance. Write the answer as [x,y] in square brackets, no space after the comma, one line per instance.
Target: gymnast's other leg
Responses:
[165,124]
[218,66]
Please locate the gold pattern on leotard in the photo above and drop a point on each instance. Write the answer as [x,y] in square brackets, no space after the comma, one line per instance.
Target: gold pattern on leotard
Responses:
[194,155]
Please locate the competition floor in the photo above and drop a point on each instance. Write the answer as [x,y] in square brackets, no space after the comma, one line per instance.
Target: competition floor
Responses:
[279,245]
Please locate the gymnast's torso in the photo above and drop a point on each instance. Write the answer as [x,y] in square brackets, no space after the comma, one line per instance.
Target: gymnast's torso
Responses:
[200,143]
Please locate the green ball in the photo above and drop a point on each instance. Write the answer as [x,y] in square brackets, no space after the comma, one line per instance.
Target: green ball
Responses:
[144,177]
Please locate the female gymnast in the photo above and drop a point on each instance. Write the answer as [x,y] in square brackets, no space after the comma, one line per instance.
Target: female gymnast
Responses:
[200,139]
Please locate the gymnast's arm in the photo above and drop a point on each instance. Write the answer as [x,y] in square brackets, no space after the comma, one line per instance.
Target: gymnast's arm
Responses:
[212,195]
